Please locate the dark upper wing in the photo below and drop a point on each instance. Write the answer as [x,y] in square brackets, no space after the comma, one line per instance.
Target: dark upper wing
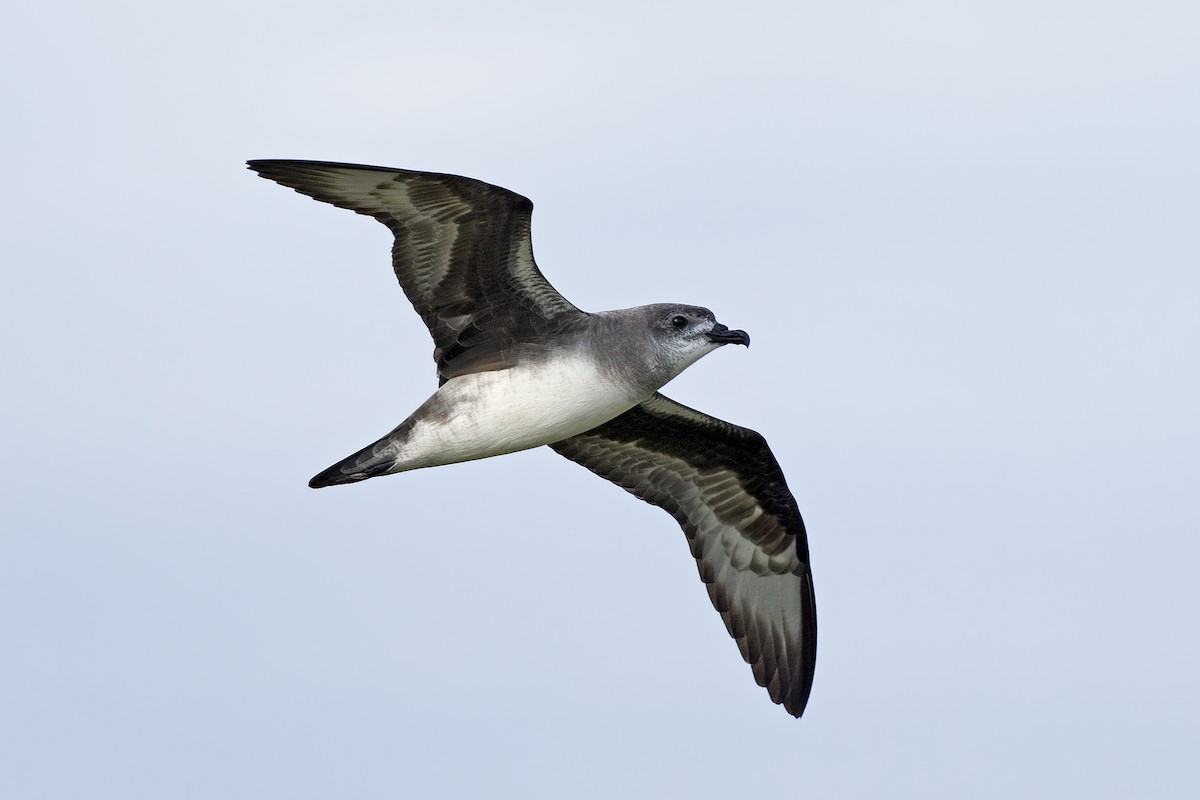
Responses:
[723,485]
[462,254]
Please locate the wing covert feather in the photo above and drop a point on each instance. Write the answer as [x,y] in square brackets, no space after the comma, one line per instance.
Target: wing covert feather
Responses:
[723,485]
[462,254]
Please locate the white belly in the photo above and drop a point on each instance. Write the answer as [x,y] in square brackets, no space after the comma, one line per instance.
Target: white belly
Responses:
[490,413]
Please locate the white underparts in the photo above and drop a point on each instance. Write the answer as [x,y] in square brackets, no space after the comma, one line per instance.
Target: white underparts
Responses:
[489,413]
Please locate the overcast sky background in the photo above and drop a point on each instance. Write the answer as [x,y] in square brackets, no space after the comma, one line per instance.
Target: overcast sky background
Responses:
[963,237]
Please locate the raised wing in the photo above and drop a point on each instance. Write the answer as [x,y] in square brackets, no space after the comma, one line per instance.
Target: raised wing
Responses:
[725,488]
[462,254]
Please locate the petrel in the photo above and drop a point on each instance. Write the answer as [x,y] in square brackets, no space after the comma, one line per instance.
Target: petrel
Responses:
[519,367]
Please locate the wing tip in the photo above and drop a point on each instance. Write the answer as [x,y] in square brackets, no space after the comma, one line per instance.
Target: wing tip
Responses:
[795,708]
[287,170]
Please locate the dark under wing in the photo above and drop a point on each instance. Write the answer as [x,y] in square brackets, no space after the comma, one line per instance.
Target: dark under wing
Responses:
[725,488]
[462,254]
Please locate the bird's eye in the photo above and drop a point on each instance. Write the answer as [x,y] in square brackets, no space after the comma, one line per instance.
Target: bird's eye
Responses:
[679,320]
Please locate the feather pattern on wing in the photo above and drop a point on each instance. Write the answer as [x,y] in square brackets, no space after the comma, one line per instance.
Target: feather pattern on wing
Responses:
[462,254]
[725,488]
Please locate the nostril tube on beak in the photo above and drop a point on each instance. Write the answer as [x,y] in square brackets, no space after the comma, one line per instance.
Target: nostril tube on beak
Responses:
[722,335]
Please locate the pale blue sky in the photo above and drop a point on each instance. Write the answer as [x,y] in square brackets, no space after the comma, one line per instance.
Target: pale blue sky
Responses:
[962,235]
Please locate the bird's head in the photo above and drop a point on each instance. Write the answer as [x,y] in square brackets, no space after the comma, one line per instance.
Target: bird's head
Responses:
[682,335]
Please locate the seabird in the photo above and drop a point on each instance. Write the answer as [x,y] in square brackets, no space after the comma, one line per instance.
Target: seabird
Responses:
[519,367]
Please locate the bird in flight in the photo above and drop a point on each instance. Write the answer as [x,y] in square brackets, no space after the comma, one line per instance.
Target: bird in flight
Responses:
[519,367]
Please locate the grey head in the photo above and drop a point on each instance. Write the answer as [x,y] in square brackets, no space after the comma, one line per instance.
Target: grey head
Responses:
[647,346]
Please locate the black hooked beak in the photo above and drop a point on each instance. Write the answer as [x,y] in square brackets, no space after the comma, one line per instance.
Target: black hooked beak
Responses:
[722,335]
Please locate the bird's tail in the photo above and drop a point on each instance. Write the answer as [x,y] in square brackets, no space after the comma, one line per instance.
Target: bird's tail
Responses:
[379,458]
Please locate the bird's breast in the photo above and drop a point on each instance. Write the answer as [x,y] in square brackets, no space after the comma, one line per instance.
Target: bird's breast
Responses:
[490,413]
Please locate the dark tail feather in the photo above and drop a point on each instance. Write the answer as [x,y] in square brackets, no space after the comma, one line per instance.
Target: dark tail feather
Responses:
[372,461]
[338,474]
